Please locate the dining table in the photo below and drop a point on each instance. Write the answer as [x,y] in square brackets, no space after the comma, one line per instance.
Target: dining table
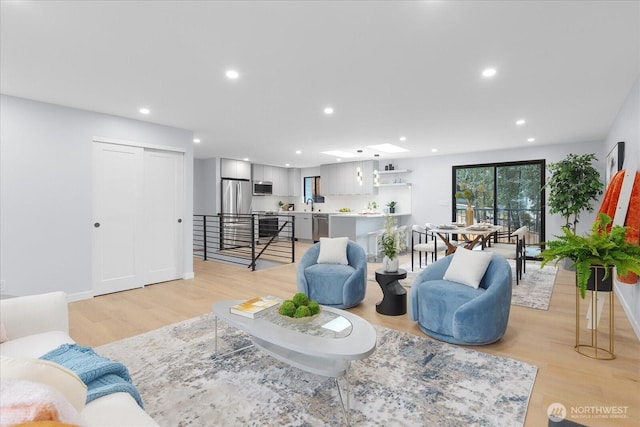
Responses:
[472,235]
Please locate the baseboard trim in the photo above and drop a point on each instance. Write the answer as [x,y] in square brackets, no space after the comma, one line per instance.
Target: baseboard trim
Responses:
[188,275]
[79,296]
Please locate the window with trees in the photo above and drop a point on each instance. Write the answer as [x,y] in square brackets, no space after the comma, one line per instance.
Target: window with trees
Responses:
[507,194]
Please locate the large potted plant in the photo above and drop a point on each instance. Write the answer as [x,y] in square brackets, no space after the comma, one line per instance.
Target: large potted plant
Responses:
[573,187]
[392,242]
[604,247]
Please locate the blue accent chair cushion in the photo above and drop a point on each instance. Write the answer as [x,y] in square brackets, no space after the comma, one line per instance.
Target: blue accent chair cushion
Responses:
[335,285]
[457,313]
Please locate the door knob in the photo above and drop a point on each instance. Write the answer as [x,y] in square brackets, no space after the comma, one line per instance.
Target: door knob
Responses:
[179,220]
[96,225]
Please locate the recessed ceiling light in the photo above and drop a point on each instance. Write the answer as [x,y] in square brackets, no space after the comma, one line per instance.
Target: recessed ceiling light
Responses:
[196,140]
[434,150]
[338,159]
[287,165]
[531,139]
[298,152]
[339,153]
[403,138]
[246,159]
[387,148]
[328,110]
[489,72]
[232,74]
[145,111]
[520,122]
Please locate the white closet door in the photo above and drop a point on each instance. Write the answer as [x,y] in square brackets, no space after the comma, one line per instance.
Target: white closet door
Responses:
[163,211]
[118,213]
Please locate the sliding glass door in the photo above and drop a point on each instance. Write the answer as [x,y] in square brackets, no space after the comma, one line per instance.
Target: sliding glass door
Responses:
[506,194]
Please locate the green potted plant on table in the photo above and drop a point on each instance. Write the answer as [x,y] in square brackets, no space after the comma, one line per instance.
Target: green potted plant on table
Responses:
[604,248]
[392,242]
[392,206]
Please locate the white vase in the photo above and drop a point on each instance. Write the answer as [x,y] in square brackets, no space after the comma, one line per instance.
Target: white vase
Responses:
[390,265]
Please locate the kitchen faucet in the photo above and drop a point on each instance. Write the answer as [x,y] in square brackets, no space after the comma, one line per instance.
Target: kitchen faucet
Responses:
[309,200]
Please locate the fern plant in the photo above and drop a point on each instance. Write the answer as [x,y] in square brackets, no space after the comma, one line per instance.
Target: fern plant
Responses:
[605,246]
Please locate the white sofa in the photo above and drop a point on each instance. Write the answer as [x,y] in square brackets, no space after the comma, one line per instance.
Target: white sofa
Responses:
[37,324]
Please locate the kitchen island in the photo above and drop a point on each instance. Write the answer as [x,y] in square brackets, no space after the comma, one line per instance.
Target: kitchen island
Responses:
[358,226]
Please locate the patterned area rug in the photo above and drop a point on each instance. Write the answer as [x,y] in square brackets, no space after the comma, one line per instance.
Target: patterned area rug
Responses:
[534,290]
[408,381]
[536,285]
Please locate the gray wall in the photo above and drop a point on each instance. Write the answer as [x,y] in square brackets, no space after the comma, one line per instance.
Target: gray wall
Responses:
[626,128]
[205,186]
[45,192]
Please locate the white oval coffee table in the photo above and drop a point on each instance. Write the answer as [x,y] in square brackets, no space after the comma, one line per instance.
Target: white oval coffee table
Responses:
[314,347]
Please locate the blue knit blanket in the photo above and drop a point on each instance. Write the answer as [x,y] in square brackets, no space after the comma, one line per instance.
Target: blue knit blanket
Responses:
[101,375]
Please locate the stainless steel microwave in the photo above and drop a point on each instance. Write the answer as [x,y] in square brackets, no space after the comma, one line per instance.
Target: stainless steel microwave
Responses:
[262,188]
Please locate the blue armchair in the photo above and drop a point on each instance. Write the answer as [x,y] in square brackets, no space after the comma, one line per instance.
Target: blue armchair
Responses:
[335,285]
[460,314]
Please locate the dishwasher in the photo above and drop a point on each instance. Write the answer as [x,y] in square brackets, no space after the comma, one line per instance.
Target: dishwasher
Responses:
[320,227]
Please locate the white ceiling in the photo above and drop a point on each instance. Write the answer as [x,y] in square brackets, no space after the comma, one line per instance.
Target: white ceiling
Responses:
[389,69]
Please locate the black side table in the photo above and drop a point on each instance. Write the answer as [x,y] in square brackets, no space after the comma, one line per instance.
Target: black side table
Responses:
[394,300]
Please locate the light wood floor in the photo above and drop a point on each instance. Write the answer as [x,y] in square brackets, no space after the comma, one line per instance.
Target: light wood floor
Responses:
[542,338]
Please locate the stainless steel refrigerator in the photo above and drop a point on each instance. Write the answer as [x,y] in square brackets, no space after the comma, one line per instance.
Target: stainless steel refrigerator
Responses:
[236,210]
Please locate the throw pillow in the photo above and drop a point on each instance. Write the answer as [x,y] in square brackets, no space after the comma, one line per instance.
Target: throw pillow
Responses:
[28,401]
[333,250]
[468,267]
[57,376]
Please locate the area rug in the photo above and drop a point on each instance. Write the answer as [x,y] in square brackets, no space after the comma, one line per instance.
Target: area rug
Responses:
[536,285]
[409,380]
[534,290]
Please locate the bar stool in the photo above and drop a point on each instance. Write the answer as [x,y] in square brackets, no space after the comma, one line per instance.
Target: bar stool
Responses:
[373,245]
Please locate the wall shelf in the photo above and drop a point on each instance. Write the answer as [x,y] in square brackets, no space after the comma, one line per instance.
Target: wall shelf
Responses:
[393,171]
[395,184]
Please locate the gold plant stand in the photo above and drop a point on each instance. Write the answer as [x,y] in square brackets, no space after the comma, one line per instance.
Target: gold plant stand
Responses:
[592,350]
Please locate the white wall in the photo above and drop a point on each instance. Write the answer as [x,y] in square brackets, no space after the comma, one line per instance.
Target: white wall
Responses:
[431,179]
[205,186]
[45,192]
[626,128]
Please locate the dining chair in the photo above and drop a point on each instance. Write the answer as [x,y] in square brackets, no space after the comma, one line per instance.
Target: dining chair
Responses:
[431,245]
[515,249]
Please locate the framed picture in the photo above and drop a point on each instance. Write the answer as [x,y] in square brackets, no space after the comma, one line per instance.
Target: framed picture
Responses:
[615,159]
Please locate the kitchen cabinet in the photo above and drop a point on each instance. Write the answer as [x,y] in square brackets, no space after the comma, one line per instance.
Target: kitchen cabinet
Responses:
[235,169]
[303,226]
[348,175]
[328,179]
[294,179]
[367,168]
[280,178]
[257,172]
[342,178]
[280,181]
